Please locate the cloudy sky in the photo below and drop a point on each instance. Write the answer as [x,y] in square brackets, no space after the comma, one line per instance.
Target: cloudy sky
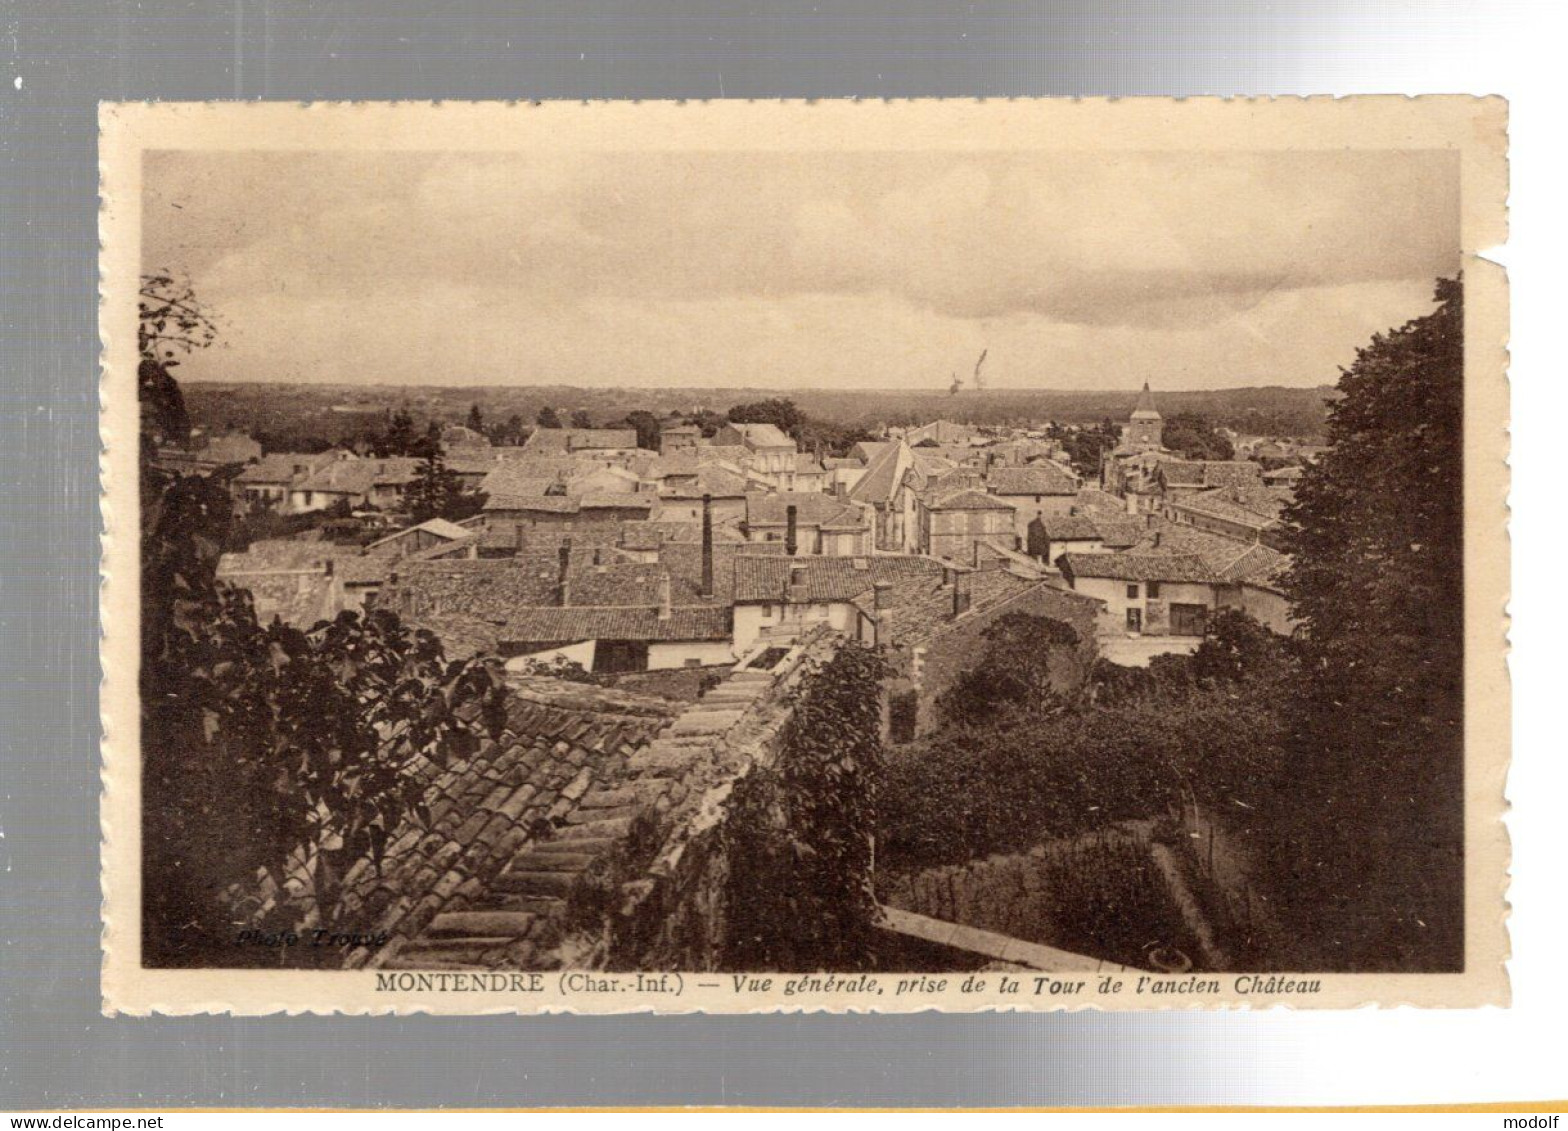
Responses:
[868,270]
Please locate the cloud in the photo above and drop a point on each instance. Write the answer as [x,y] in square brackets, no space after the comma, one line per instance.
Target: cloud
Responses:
[873,268]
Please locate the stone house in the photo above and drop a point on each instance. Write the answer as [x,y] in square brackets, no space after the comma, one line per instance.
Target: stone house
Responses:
[808,523]
[949,526]
[1033,491]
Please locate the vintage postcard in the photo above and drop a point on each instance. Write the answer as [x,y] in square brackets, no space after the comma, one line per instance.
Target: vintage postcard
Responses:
[843,556]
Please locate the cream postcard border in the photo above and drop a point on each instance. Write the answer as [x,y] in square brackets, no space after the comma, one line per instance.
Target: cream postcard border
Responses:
[1476,129]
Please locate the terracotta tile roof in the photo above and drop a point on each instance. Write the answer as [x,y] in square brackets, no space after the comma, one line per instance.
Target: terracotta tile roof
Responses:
[1255,565]
[709,480]
[1120,531]
[485,588]
[730,453]
[342,477]
[1100,502]
[1207,473]
[545,440]
[283,467]
[929,615]
[929,462]
[521,478]
[440,527]
[921,607]
[968,500]
[884,473]
[825,579]
[625,501]
[763,436]
[544,504]
[1258,509]
[1035,479]
[552,625]
[1139,566]
[683,561]
[481,884]
[638,534]
[812,508]
[1070,528]
[623,583]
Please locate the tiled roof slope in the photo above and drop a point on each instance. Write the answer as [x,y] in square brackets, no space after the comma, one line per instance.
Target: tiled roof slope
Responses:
[555,625]
[1140,566]
[826,579]
[487,889]
[510,828]
[1035,479]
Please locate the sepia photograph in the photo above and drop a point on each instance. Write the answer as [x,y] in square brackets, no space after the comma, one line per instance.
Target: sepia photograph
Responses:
[694,566]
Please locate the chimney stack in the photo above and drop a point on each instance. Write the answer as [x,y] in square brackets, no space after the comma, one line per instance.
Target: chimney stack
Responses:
[707,545]
[795,589]
[790,542]
[664,596]
[563,578]
[881,594]
[960,593]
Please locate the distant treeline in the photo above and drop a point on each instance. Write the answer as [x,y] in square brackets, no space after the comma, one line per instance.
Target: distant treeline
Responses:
[302,417]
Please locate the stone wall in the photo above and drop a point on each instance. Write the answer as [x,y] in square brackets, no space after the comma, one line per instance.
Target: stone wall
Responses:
[673,913]
[961,644]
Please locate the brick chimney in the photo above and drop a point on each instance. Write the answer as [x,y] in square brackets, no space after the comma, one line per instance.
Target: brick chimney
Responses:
[882,602]
[664,596]
[795,590]
[960,593]
[790,541]
[564,574]
[707,545]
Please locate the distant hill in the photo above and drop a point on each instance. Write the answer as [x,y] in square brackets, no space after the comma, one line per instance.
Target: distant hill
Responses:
[331,414]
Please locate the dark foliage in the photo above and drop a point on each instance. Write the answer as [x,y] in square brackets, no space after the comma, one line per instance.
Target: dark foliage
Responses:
[1194,437]
[438,492]
[1200,727]
[1376,533]
[800,835]
[1032,665]
[267,750]
[646,425]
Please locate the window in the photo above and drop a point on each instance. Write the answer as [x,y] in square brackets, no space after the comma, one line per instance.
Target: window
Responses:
[1132,592]
[767,611]
[1154,589]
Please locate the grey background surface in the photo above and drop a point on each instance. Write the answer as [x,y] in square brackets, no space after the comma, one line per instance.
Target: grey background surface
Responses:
[61,58]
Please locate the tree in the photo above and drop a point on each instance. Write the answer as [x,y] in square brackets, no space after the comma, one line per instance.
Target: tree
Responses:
[1029,666]
[1376,536]
[438,492]
[581,419]
[646,424]
[1086,448]
[513,431]
[778,411]
[268,750]
[399,439]
[1194,437]
[171,322]
[476,419]
[548,418]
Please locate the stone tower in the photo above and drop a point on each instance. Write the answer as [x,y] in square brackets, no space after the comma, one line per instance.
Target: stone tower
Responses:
[1145,425]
